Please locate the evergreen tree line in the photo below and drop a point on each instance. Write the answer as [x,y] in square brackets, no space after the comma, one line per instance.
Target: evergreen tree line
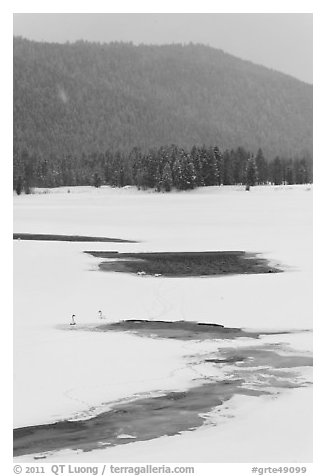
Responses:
[162,168]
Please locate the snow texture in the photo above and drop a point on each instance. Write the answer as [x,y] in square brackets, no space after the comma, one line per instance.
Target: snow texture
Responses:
[65,374]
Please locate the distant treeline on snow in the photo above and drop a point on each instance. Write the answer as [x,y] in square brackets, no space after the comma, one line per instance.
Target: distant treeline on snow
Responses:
[161,168]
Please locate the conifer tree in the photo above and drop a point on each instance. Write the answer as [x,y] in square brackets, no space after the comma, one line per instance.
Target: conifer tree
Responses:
[97,181]
[209,165]
[276,171]
[18,186]
[167,181]
[188,173]
[196,160]
[177,173]
[226,171]
[158,180]
[251,172]
[239,160]
[262,168]
[28,165]
[289,172]
[301,172]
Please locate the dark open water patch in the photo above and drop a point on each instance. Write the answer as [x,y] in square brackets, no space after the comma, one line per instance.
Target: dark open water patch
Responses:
[182,264]
[182,330]
[49,237]
[267,366]
[262,356]
[255,372]
[140,420]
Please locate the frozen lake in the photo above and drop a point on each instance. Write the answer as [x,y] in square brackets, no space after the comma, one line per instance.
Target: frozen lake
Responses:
[59,374]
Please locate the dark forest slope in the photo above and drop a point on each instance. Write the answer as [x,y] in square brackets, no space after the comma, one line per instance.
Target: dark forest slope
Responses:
[87,97]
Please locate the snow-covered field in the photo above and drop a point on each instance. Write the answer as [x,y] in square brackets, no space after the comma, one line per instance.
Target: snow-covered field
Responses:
[59,374]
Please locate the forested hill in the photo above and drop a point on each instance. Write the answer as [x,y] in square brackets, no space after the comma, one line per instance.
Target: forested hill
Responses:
[90,97]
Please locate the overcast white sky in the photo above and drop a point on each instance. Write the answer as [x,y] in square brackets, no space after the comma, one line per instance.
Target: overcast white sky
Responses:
[277,40]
